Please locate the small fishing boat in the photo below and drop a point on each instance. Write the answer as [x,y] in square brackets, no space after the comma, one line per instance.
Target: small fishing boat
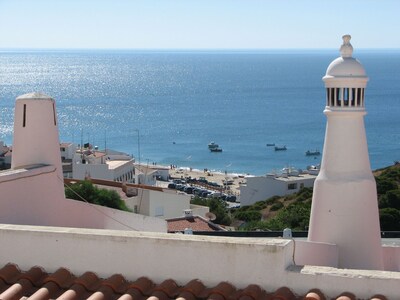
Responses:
[280,148]
[270,144]
[313,153]
[214,147]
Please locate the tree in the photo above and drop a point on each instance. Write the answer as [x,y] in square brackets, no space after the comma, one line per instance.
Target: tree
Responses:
[389,219]
[390,199]
[86,191]
[217,207]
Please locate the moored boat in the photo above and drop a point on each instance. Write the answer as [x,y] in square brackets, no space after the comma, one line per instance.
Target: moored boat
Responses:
[214,147]
[280,148]
[313,153]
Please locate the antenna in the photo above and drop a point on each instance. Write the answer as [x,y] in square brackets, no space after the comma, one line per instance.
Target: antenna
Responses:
[210,216]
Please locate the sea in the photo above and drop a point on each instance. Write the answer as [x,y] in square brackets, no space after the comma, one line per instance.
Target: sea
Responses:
[169,105]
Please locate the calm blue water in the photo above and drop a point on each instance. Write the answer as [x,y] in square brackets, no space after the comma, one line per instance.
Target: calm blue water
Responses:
[241,100]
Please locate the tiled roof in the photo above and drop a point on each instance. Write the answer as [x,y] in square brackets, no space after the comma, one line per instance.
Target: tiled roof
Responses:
[37,284]
[195,223]
[65,144]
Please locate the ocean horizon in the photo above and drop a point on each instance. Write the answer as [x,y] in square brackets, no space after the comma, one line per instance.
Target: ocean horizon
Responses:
[175,102]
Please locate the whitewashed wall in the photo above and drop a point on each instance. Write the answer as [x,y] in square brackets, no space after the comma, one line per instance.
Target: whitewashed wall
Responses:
[36,197]
[263,187]
[262,261]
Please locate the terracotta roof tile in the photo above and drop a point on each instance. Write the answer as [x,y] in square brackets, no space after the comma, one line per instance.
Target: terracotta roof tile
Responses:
[283,293]
[314,295]
[37,284]
[196,223]
[378,297]
[346,296]
[9,272]
[222,291]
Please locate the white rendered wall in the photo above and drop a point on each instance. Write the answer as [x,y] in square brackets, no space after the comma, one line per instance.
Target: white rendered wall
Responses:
[172,205]
[69,152]
[261,188]
[97,171]
[344,208]
[36,134]
[151,203]
[101,171]
[199,210]
[29,198]
[240,261]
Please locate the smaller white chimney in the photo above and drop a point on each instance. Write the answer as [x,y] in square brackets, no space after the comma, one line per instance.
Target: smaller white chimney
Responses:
[188,213]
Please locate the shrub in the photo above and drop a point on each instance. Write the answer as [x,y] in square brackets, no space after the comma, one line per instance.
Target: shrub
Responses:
[276,206]
[390,199]
[248,216]
[86,191]
[389,219]
[272,200]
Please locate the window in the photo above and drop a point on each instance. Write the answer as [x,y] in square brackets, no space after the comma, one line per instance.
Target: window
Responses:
[292,186]
[24,117]
[159,211]
[54,114]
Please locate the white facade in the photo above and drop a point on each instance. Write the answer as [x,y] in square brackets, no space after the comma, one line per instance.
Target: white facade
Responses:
[5,154]
[32,191]
[344,206]
[148,174]
[160,204]
[260,188]
[269,263]
[103,168]
[67,151]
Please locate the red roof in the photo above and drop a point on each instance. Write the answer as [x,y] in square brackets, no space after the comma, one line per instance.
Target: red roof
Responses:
[196,223]
[36,283]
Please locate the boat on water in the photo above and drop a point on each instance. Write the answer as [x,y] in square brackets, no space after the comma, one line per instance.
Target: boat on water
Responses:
[313,153]
[270,144]
[280,148]
[214,147]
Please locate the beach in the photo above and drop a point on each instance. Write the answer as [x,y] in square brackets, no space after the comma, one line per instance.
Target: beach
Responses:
[230,182]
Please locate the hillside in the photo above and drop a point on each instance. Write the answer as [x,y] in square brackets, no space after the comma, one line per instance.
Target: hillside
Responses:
[293,211]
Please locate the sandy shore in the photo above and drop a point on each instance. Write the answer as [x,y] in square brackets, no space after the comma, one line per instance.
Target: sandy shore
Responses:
[235,180]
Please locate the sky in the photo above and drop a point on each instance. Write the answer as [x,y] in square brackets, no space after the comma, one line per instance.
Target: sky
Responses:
[201,24]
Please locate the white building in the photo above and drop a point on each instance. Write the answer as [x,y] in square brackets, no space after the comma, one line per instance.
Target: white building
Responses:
[259,188]
[67,151]
[32,191]
[160,202]
[5,155]
[101,165]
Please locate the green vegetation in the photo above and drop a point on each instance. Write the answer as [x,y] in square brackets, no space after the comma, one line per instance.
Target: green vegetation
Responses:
[389,198]
[217,207]
[86,190]
[293,211]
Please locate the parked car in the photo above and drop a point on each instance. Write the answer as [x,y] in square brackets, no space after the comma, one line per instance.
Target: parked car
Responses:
[172,186]
[188,190]
[205,193]
[231,198]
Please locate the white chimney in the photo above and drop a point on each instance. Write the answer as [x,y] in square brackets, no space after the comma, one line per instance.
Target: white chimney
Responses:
[344,205]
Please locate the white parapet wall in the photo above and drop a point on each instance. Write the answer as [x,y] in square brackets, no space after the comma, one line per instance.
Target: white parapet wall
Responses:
[32,196]
[240,261]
